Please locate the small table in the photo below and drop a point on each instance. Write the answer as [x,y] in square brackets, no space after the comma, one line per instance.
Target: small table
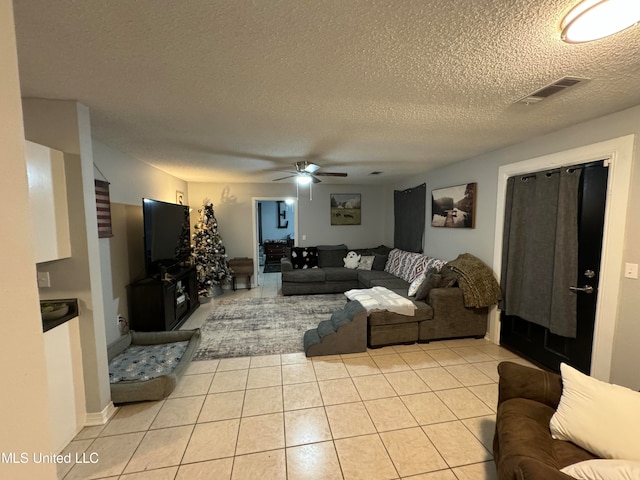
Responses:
[241,267]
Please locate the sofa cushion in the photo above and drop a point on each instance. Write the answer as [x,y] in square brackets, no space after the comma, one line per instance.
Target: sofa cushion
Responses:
[423,312]
[331,255]
[338,274]
[431,280]
[600,417]
[304,257]
[366,276]
[391,283]
[313,275]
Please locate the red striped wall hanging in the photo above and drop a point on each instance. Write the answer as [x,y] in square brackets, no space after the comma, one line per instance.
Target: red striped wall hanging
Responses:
[103,206]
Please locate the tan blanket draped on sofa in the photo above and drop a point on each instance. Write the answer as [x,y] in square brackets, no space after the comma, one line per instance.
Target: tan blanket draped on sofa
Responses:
[476,280]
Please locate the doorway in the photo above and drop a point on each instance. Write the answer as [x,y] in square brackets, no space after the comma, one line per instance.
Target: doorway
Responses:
[539,343]
[275,226]
[620,152]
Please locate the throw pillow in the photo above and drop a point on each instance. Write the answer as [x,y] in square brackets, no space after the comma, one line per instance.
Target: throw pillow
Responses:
[603,470]
[415,285]
[449,277]
[331,257]
[380,262]
[306,257]
[432,280]
[600,417]
[366,263]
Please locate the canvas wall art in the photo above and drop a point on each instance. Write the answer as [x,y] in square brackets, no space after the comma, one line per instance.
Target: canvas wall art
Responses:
[345,209]
[454,207]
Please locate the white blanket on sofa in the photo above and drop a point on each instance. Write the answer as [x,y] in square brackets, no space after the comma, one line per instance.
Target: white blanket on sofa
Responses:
[381,298]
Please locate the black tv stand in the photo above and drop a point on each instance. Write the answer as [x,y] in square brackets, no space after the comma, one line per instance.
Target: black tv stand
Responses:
[160,304]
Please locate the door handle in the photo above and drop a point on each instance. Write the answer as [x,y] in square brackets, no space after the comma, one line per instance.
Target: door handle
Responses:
[585,289]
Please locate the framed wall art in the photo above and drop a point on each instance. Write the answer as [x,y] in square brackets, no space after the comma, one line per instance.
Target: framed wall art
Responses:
[345,209]
[454,207]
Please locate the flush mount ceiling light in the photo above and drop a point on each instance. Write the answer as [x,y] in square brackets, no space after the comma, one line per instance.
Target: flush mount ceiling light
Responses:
[594,19]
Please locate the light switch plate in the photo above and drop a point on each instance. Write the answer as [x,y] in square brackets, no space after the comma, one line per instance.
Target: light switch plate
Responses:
[631,270]
[44,280]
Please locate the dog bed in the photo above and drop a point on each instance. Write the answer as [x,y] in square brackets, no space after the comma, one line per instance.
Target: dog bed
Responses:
[146,366]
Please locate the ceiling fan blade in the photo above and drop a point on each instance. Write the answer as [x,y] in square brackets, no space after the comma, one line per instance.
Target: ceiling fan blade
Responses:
[304,166]
[311,167]
[331,174]
[284,178]
[315,179]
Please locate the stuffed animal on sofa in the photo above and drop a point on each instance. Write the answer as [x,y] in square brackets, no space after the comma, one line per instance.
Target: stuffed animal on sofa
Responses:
[351,260]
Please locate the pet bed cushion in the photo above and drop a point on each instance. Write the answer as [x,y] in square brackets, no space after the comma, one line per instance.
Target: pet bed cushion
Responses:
[144,362]
[150,378]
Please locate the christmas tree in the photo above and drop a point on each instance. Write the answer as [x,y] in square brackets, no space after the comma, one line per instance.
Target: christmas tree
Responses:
[208,251]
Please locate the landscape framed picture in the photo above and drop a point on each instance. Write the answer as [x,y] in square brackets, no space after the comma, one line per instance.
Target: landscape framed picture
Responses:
[345,209]
[454,207]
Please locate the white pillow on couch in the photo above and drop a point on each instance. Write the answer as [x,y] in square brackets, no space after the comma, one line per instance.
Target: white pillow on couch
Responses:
[603,470]
[600,417]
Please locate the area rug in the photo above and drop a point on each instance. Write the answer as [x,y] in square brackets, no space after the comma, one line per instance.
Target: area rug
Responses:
[272,268]
[263,326]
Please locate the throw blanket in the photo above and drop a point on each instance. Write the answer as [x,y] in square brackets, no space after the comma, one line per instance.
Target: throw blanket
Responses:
[380,298]
[479,286]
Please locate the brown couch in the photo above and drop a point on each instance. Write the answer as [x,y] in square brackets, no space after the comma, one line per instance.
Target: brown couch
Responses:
[523,448]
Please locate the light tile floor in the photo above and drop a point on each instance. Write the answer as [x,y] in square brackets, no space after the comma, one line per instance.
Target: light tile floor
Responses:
[421,412]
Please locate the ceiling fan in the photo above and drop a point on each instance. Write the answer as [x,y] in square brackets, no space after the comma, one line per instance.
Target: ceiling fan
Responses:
[307,172]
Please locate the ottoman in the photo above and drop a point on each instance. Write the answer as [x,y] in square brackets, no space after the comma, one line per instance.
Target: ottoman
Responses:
[389,328]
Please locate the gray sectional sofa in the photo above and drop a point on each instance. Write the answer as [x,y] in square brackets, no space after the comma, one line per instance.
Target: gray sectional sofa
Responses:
[440,315]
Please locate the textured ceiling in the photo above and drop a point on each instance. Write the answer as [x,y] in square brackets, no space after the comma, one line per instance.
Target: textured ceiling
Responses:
[237,90]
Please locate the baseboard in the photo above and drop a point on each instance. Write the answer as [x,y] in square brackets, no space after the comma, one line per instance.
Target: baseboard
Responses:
[100,418]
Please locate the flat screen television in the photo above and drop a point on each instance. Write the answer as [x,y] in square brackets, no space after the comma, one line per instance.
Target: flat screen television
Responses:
[167,239]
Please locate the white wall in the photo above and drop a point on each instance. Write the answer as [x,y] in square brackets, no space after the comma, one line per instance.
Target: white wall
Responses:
[233,209]
[448,243]
[131,180]
[65,126]
[24,403]
[122,255]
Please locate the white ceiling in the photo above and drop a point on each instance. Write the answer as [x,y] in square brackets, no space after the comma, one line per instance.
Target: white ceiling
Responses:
[238,90]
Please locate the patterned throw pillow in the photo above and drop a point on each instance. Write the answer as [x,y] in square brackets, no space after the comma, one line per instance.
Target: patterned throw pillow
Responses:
[402,264]
[366,263]
[415,285]
[304,257]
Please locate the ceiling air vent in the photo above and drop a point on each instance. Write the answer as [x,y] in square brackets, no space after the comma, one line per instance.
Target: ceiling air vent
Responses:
[556,87]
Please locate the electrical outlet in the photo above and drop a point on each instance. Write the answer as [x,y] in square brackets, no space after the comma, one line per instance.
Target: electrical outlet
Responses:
[304,237]
[119,318]
[631,270]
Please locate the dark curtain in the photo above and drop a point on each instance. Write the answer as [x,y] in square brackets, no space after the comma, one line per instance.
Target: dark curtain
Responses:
[409,217]
[540,249]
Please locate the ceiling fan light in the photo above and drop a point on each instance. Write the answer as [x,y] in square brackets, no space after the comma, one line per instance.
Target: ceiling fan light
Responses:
[595,19]
[303,179]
